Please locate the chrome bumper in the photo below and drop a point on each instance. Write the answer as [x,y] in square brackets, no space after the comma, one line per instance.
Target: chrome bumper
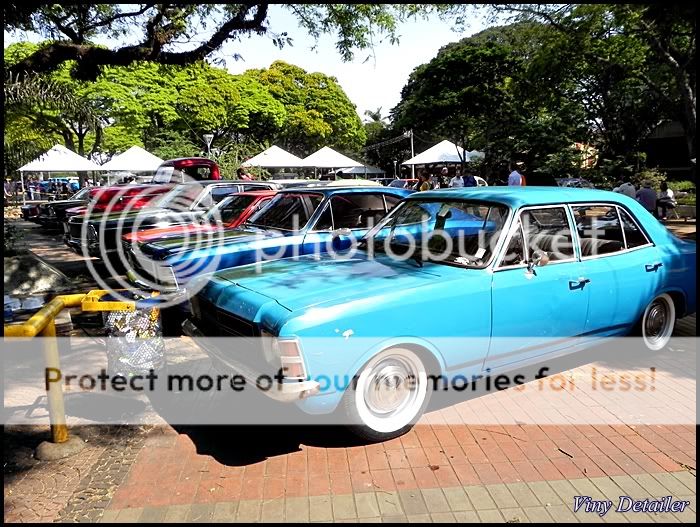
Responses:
[132,278]
[282,391]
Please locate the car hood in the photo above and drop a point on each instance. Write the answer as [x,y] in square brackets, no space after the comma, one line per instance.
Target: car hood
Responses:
[65,203]
[168,246]
[300,283]
[143,216]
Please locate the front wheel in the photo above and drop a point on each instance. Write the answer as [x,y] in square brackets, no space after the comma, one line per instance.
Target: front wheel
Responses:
[388,395]
[657,322]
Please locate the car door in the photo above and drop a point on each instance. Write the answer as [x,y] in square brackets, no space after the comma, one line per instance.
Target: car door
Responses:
[543,309]
[623,266]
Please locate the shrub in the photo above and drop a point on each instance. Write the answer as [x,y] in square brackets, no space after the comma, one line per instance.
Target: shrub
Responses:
[682,186]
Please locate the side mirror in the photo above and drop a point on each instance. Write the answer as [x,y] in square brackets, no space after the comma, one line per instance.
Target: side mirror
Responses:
[538,259]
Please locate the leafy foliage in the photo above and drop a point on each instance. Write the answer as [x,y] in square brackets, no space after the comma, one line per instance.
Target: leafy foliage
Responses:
[319,112]
[152,30]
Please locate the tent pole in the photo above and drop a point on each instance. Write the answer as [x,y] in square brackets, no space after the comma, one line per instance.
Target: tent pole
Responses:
[413,167]
[24,194]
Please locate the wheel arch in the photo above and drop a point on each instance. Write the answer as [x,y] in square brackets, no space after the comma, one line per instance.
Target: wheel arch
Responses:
[432,358]
[679,300]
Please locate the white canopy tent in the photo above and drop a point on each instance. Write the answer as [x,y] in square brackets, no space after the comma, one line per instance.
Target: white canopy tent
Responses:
[362,170]
[443,152]
[60,159]
[274,157]
[135,159]
[57,159]
[326,157]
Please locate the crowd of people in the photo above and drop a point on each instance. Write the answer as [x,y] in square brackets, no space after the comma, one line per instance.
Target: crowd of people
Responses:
[446,178]
[657,203]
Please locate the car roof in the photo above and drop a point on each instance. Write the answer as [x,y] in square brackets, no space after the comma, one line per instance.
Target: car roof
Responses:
[225,181]
[521,196]
[355,190]
[177,160]
[256,193]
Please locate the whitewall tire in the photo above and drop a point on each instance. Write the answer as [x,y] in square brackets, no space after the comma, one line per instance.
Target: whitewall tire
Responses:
[657,322]
[389,395]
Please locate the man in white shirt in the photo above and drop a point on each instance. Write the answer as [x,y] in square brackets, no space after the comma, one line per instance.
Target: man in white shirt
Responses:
[457,181]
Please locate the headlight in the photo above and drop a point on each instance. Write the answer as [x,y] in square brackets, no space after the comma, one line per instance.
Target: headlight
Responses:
[292,361]
[91,234]
[165,274]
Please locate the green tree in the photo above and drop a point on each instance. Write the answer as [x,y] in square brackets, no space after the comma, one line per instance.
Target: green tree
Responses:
[464,94]
[643,55]
[319,112]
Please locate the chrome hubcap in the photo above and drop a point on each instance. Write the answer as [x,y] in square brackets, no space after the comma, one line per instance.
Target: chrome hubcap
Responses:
[391,387]
[657,320]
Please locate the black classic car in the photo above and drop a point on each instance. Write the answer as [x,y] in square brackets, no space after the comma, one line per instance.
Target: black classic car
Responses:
[52,214]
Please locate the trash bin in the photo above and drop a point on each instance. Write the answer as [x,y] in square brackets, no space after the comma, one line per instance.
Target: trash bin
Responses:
[134,334]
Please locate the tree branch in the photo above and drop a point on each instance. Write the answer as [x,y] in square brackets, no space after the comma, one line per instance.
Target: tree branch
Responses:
[90,57]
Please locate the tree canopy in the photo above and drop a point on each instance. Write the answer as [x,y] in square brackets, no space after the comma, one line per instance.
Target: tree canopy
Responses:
[557,75]
[159,32]
[168,109]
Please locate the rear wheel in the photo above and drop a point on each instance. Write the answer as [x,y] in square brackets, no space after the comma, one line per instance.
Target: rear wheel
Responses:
[389,395]
[657,322]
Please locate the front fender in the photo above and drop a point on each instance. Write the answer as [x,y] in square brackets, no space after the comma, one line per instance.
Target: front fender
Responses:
[333,384]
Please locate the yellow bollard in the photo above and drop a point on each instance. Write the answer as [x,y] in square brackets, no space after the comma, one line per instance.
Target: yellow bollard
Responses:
[42,323]
[57,412]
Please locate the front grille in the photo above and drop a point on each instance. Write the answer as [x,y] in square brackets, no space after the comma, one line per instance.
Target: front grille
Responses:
[76,230]
[219,323]
[246,349]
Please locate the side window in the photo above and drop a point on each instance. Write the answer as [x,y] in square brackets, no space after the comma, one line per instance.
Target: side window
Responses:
[515,253]
[633,235]
[548,230]
[357,211]
[325,221]
[599,229]
[391,201]
[220,192]
[246,188]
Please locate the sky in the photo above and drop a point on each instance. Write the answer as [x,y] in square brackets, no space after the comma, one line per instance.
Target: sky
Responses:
[369,84]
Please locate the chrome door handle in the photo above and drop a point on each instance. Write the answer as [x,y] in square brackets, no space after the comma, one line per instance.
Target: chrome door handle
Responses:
[579,284]
[650,268]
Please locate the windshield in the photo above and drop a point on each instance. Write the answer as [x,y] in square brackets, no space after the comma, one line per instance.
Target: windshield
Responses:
[179,198]
[287,212]
[81,194]
[228,210]
[455,232]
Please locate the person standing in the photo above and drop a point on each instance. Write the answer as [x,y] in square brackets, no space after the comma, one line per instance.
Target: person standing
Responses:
[647,197]
[470,180]
[8,190]
[515,178]
[243,175]
[457,181]
[424,182]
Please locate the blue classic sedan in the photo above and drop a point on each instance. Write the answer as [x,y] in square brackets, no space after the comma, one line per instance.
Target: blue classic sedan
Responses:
[527,273]
[295,222]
